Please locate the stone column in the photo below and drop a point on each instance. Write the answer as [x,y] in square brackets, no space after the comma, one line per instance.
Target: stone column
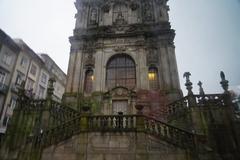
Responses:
[165,68]
[78,72]
[141,69]
[173,68]
[71,67]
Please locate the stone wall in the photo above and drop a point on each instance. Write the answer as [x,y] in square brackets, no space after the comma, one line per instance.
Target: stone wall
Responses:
[114,146]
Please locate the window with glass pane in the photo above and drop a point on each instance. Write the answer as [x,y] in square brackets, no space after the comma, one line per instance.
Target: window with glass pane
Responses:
[121,71]
[19,78]
[24,62]
[44,78]
[33,69]
[2,78]
[88,83]
[153,78]
[7,58]
[30,84]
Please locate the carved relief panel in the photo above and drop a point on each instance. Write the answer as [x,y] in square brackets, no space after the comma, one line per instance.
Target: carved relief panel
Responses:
[120,13]
[93,16]
[147,10]
[152,56]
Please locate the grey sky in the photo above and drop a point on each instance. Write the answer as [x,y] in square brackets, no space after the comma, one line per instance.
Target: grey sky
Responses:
[207,34]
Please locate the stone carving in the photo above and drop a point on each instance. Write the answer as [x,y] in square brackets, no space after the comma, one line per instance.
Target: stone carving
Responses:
[93,16]
[120,13]
[134,6]
[89,60]
[188,83]
[224,82]
[201,91]
[152,57]
[120,49]
[122,92]
[147,10]
[106,8]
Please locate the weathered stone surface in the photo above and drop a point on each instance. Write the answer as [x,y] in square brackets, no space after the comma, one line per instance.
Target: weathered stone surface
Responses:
[109,146]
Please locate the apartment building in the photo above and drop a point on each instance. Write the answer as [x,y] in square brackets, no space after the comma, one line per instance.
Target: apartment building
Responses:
[9,52]
[57,74]
[19,63]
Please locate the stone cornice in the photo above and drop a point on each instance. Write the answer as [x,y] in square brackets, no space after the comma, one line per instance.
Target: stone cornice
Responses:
[124,31]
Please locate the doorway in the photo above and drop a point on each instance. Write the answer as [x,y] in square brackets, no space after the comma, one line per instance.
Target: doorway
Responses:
[120,106]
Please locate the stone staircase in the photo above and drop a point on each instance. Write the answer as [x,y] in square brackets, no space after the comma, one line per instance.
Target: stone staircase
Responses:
[115,123]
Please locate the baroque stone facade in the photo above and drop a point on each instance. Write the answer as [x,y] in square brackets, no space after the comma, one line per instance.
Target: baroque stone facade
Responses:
[108,31]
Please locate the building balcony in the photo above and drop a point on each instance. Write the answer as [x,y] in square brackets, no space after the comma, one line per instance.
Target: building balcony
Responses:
[3,88]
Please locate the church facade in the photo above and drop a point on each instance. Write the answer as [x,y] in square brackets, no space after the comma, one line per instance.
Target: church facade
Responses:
[123,49]
[123,99]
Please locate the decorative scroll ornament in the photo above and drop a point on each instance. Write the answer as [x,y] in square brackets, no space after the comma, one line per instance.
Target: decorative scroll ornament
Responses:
[120,49]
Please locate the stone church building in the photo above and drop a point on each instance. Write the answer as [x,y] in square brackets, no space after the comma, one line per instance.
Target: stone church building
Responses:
[123,49]
[123,99]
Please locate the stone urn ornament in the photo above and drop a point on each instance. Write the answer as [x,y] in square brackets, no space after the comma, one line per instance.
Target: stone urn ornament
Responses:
[139,108]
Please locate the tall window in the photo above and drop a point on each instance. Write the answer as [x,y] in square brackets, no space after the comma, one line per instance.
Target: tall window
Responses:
[30,84]
[13,103]
[121,71]
[2,78]
[41,91]
[24,62]
[88,83]
[19,78]
[44,78]
[33,69]
[153,78]
[7,59]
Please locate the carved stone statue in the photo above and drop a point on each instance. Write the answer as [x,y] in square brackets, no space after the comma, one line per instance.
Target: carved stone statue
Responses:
[93,16]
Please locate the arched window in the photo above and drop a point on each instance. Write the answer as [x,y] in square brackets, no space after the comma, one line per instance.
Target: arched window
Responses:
[153,78]
[88,82]
[121,71]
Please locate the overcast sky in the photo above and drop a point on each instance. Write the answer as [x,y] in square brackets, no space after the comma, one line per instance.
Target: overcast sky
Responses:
[207,34]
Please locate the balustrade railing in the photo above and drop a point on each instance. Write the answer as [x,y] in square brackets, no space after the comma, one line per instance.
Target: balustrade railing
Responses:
[169,133]
[114,123]
[62,113]
[182,106]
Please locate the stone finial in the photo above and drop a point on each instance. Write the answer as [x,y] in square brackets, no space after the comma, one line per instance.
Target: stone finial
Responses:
[201,91]
[50,88]
[188,83]
[224,82]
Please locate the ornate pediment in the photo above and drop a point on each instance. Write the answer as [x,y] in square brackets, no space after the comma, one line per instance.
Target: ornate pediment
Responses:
[120,92]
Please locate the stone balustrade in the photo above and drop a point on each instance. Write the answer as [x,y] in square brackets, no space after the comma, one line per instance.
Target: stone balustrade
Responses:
[182,106]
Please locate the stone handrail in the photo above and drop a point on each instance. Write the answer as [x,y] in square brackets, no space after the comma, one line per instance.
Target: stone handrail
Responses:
[62,113]
[183,105]
[115,123]
[169,133]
